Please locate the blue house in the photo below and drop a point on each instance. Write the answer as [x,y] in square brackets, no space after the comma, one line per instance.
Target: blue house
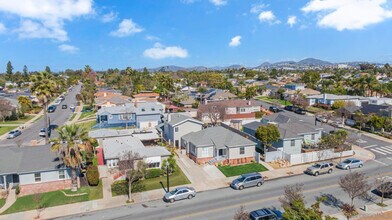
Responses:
[140,115]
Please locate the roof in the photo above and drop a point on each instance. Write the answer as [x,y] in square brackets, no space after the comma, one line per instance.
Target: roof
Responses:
[217,136]
[177,118]
[113,148]
[352,109]
[146,95]
[143,135]
[231,103]
[189,101]
[140,109]
[220,94]
[28,159]
[279,118]
[115,99]
[253,125]
[305,91]
[369,108]
[335,97]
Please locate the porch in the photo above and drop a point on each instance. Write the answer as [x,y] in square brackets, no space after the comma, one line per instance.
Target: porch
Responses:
[9,181]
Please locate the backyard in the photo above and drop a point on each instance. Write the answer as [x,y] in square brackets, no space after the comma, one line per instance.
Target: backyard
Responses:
[229,171]
[56,198]
[274,101]
[6,129]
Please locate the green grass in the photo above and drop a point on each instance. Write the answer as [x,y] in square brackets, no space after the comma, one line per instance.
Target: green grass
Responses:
[229,171]
[86,115]
[37,119]
[6,129]
[20,121]
[72,117]
[2,202]
[55,198]
[88,125]
[274,101]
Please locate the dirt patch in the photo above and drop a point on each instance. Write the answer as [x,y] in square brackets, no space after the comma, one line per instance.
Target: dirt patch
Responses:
[383,216]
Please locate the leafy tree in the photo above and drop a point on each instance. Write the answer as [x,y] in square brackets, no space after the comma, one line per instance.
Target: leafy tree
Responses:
[355,185]
[169,164]
[311,78]
[47,69]
[25,103]
[267,134]
[273,73]
[348,210]
[251,91]
[10,68]
[376,122]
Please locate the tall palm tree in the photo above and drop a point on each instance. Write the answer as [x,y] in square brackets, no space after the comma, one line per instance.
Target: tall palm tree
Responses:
[70,145]
[44,87]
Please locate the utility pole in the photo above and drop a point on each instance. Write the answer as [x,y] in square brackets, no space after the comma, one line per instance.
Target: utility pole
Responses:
[167,177]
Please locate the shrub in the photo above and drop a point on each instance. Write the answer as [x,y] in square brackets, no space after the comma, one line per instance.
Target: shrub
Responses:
[17,190]
[153,173]
[259,114]
[92,175]
[323,106]
[120,187]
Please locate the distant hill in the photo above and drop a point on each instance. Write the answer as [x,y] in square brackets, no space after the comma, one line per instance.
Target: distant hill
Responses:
[314,62]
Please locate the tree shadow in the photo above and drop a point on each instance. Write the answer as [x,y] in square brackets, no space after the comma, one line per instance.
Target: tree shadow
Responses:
[330,200]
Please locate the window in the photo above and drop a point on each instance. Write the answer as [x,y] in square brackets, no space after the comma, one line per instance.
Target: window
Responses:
[37,177]
[242,150]
[204,152]
[292,143]
[313,137]
[176,129]
[153,109]
[125,117]
[61,174]
[242,110]
[143,109]
[154,165]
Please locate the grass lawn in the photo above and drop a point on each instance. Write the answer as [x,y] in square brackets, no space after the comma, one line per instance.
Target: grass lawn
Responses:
[275,101]
[72,117]
[86,115]
[55,198]
[88,125]
[2,202]
[229,171]
[6,129]
[20,121]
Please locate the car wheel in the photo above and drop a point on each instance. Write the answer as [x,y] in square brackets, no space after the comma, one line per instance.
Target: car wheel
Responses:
[348,167]
[171,200]
[360,165]
[316,173]
[330,171]
[190,197]
[259,184]
[241,187]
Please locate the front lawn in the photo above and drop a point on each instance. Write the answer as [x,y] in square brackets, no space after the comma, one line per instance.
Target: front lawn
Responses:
[274,101]
[19,121]
[86,115]
[88,125]
[72,117]
[229,171]
[6,129]
[56,198]
[2,202]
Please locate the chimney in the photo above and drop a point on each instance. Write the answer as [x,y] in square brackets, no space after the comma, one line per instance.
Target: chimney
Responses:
[104,94]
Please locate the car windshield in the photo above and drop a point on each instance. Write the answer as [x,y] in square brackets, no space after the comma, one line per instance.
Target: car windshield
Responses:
[43,130]
[174,191]
[347,161]
[316,165]
[12,132]
[241,179]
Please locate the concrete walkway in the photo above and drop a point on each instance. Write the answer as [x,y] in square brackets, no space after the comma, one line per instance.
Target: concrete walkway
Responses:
[78,112]
[371,211]
[11,198]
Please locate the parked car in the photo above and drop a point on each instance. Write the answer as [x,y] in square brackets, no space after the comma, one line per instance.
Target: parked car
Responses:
[57,102]
[51,109]
[291,108]
[320,168]
[350,122]
[385,189]
[64,106]
[42,132]
[350,163]
[321,119]
[14,134]
[247,180]
[300,111]
[180,193]
[62,98]
[275,109]
[338,124]
[263,214]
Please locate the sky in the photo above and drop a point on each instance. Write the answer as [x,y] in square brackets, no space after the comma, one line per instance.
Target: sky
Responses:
[151,33]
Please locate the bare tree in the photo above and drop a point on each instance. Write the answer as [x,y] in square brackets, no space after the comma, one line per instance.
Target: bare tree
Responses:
[383,186]
[292,193]
[241,214]
[355,185]
[214,111]
[5,108]
[37,198]
[133,167]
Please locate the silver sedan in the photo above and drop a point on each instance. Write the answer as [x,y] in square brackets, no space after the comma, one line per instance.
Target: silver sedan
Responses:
[180,193]
[350,163]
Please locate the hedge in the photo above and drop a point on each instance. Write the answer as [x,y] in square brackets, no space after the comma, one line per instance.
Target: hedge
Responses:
[120,187]
[153,173]
[92,175]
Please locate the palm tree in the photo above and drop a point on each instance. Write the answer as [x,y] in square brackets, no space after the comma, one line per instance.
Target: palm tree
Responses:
[25,103]
[70,145]
[44,86]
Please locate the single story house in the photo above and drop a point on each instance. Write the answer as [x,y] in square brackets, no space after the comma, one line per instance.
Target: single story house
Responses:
[34,169]
[111,100]
[220,95]
[305,92]
[218,144]
[141,115]
[187,103]
[329,99]
[146,96]
[177,125]
[380,101]
[295,86]
[348,112]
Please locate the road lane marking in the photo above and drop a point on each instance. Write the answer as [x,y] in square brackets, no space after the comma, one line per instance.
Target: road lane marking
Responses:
[374,145]
[375,150]
[381,162]
[389,158]
[387,151]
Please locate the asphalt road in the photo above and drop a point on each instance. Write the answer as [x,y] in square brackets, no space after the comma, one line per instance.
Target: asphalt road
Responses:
[57,118]
[223,203]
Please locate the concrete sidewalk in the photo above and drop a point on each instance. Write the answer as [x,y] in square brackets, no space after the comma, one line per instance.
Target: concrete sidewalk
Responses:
[371,211]
[24,125]
[11,198]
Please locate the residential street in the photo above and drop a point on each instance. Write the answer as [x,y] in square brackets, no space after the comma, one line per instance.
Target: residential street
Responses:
[57,118]
[222,203]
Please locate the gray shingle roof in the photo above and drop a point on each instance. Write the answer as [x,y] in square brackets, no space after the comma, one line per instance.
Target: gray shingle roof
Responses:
[27,159]
[143,108]
[218,137]
[253,125]
[178,118]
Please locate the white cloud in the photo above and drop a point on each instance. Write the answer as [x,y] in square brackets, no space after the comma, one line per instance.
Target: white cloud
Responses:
[292,20]
[126,28]
[257,8]
[268,16]
[68,48]
[47,17]
[218,2]
[160,51]
[235,41]
[2,28]
[348,14]
[109,17]
[152,38]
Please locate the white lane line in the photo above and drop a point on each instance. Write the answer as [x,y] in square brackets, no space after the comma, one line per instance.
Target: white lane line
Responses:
[381,162]
[389,158]
[374,145]
[389,147]
[389,151]
[378,151]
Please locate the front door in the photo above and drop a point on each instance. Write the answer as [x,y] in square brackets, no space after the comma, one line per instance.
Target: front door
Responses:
[220,152]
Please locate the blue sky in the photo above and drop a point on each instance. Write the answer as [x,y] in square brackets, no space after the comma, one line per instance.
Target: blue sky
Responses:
[138,33]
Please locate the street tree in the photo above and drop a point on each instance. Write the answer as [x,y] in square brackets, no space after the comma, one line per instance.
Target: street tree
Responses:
[292,193]
[355,185]
[384,186]
[267,134]
[39,205]
[134,169]
[241,214]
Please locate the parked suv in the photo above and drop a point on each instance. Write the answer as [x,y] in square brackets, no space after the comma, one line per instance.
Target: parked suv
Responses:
[300,111]
[247,180]
[275,109]
[263,214]
[320,168]
[291,108]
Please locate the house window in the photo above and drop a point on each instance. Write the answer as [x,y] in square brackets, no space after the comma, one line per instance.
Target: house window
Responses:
[242,110]
[242,150]
[176,129]
[153,109]
[154,165]
[292,143]
[61,174]
[204,152]
[37,177]
[143,109]
[110,116]
[312,137]
[125,117]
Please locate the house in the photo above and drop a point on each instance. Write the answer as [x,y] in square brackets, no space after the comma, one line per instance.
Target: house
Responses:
[227,110]
[381,110]
[146,96]
[329,99]
[295,86]
[106,92]
[177,125]
[187,103]
[218,144]
[111,100]
[348,112]
[304,92]
[141,115]
[293,133]
[114,149]
[270,90]
[35,169]
[220,95]
[380,101]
